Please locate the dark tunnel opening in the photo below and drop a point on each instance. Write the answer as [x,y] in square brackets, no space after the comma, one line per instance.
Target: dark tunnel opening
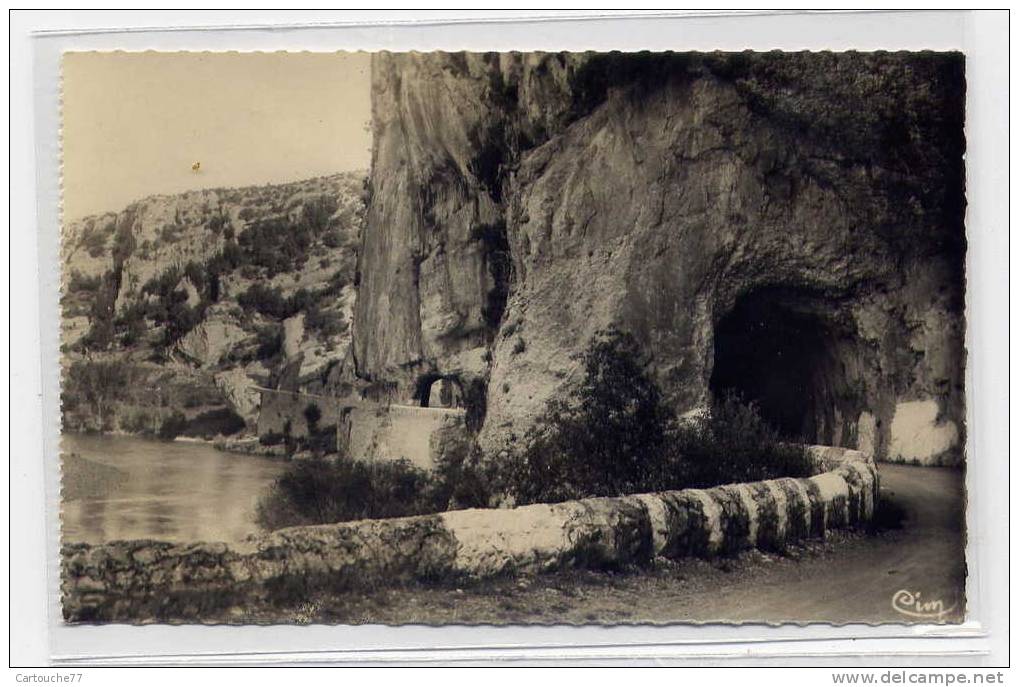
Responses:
[775,348]
[423,388]
[436,391]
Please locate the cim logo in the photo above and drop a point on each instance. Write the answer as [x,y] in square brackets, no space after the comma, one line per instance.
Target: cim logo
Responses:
[913,605]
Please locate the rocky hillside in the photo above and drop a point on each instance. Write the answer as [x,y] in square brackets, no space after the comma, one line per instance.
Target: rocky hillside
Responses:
[718,206]
[181,303]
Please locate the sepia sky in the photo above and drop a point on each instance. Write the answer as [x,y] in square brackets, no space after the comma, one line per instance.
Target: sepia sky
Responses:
[135,123]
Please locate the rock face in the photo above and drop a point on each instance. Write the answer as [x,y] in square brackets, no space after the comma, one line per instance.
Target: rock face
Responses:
[436,261]
[237,389]
[788,227]
[225,286]
[206,344]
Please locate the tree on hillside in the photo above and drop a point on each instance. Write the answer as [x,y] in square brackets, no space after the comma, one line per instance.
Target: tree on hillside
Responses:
[98,383]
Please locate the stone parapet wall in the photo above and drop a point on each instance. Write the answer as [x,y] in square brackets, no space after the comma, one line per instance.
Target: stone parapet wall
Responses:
[283,412]
[135,579]
[395,432]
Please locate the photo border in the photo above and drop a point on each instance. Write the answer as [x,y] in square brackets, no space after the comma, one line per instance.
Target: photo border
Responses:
[977,35]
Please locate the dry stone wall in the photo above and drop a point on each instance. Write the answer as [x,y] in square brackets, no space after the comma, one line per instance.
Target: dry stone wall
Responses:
[140,580]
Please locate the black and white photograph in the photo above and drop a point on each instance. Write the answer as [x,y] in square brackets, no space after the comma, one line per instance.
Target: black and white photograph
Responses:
[513,337]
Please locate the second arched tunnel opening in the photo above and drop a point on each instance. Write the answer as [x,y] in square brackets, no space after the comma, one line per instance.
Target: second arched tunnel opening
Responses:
[781,349]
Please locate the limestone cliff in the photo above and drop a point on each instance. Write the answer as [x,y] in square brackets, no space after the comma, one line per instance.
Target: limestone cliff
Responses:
[786,226]
[435,266]
[194,297]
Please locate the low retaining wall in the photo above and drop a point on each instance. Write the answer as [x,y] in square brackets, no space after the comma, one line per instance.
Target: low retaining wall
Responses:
[283,412]
[138,580]
[397,432]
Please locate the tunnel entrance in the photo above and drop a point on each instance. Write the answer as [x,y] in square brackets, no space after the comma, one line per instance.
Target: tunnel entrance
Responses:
[777,348]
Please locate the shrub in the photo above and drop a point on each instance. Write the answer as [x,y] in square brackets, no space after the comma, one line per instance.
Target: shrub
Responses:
[316,213]
[169,233]
[336,282]
[319,491]
[302,299]
[131,320]
[269,301]
[169,308]
[614,435]
[326,322]
[172,426]
[94,242]
[731,443]
[79,282]
[101,329]
[137,422]
[332,239]
[218,222]
[124,244]
[132,325]
[220,421]
[266,300]
[162,284]
[180,319]
[320,440]
[607,438]
[312,414]
[97,384]
[271,439]
[463,479]
[280,244]
[270,341]
[195,272]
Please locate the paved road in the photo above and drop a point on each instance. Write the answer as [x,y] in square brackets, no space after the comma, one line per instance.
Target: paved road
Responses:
[858,579]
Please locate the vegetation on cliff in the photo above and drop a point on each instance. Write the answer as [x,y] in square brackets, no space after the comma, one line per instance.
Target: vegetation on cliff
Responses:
[195,286]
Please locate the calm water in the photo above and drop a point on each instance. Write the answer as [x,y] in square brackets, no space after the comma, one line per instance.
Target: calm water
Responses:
[173,491]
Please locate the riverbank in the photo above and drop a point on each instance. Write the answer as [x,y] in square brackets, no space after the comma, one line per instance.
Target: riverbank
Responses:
[249,445]
[243,445]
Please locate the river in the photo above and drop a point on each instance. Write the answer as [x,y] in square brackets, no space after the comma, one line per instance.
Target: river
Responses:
[118,487]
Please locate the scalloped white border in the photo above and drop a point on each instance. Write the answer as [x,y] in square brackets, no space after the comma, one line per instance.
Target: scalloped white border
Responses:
[34,403]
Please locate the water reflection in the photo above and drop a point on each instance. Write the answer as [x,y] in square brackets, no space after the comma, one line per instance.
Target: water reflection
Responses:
[160,490]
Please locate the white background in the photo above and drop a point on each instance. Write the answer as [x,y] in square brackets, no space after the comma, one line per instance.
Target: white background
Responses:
[38,637]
